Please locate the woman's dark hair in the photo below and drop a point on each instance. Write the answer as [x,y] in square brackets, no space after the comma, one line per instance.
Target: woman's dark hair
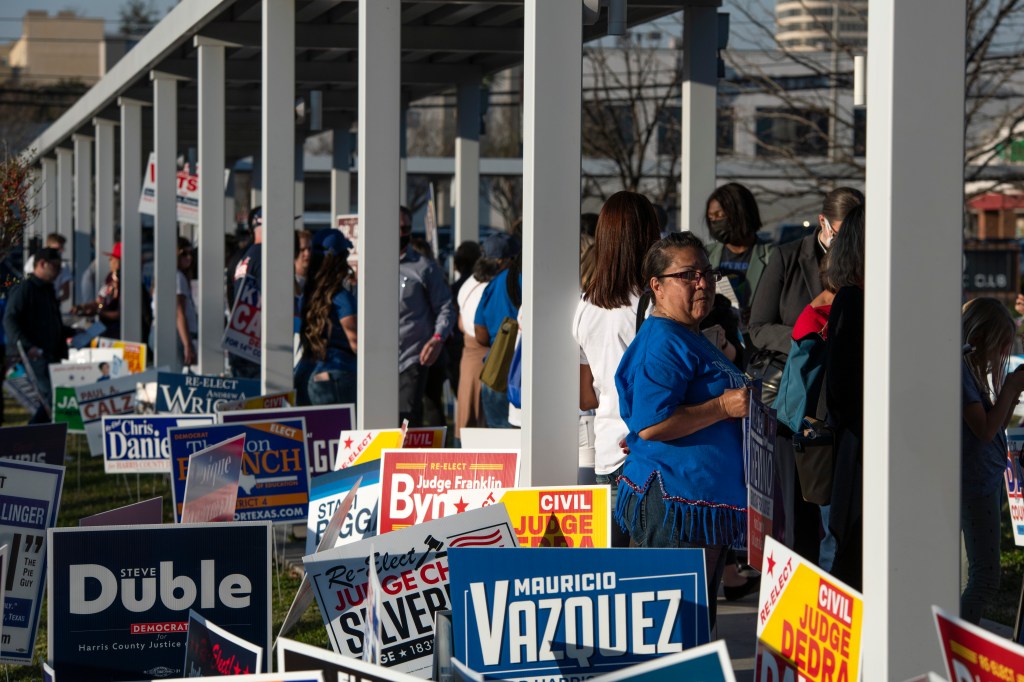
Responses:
[740,208]
[626,229]
[839,202]
[486,269]
[466,257]
[844,262]
[331,275]
[659,257]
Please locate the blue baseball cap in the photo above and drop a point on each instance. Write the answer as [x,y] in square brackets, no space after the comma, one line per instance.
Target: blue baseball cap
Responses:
[332,241]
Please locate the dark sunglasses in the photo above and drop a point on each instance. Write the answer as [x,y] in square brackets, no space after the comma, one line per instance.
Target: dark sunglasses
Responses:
[692,276]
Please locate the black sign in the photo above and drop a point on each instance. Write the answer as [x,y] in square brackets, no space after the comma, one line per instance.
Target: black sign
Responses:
[991,270]
[34,443]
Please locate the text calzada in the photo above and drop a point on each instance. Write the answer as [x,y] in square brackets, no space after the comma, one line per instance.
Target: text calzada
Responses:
[413,568]
[199,394]
[538,614]
[322,424]
[416,483]
[106,399]
[274,484]
[139,444]
[120,597]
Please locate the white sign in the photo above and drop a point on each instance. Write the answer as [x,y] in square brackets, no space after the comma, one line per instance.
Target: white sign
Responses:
[187,193]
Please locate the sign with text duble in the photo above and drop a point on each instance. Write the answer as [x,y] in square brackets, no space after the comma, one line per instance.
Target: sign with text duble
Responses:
[808,623]
[119,596]
[538,614]
[29,502]
[198,393]
[413,568]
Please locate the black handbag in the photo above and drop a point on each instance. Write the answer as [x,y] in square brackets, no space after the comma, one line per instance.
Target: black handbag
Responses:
[767,365]
[815,455]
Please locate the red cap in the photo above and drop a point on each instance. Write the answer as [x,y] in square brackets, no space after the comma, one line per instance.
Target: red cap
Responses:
[116,251]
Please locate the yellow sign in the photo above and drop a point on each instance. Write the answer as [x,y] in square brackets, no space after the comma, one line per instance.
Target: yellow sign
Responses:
[261,402]
[808,619]
[134,353]
[357,447]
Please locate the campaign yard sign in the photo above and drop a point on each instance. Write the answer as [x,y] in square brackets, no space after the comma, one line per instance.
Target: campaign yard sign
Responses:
[149,511]
[568,516]
[134,353]
[305,676]
[212,650]
[65,377]
[211,484]
[327,492]
[274,484]
[119,596]
[973,654]
[198,393]
[1014,489]
[186,194]
[808,623]
[138,444]
[242,332]
[261,402]
[34,443]
[29,502]
[425,437]
[292,655]
[361,446]
[108,398]
[322,425]
[416,483]
[413,568]
[760,457]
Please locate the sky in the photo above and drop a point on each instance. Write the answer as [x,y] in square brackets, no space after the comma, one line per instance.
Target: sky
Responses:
[12,11]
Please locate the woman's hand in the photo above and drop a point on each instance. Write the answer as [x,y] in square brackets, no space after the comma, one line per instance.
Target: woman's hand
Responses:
[824,298]
[735,402]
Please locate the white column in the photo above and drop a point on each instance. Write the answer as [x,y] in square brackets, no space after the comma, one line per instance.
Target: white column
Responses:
[165,224]
[300,185]
[65,196]
[278,149]
[379,83]
[341,177]
[48,196]
[105,134]
[80,252]
[552,74]
[698,128]
[211,114]
[467,164]
[911,389]
[403,154]
[131,228]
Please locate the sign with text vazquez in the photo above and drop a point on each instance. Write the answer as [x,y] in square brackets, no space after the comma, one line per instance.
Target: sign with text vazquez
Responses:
[274,485]
[119,597]
[416,483]
[29,502]
[139,444]
[542,614]
[199,394]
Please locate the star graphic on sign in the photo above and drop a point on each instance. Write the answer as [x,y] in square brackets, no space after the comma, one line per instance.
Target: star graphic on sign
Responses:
[771,563]
[348,443]
[461,505]
[402,653]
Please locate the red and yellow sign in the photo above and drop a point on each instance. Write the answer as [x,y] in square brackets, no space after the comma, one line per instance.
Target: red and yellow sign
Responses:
[973,653]
[269,401]
[360,446]
[808,619]
[134,353]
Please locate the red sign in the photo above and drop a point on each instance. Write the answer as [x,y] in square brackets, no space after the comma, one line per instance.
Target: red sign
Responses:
[414,483]
[972,653]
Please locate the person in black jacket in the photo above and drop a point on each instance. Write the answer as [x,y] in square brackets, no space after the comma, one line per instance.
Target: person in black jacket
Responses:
[32,319]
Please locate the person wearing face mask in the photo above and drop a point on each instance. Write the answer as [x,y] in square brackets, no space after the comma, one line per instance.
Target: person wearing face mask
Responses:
[733,219]
[791,281]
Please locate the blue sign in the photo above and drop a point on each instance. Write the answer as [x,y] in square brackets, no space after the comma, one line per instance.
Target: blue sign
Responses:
[323,424]
[199,394]
[120,596]
[29,501]
[274,485]
[544,613]
[328,491]
[138,444]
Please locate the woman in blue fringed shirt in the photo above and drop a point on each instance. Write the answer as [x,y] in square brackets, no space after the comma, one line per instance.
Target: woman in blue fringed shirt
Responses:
[682,399]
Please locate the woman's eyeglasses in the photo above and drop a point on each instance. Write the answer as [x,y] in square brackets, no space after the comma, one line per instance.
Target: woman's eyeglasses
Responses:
[692,276]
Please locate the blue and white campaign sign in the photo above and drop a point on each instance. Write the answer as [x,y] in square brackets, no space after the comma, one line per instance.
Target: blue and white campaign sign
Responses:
[212,650]
[119,597]
[327,492]
[412,565]
[242,332]
[108,398]
[292,655]
[138,444]
[538,614]
[323,424]
[198,393]
[34,443]
[274,485]
[29,502]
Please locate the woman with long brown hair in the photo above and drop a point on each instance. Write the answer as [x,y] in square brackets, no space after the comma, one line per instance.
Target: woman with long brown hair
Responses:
[328,330]
[605,321]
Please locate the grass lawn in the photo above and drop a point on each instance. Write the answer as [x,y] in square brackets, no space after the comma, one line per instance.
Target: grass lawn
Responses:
[88,490]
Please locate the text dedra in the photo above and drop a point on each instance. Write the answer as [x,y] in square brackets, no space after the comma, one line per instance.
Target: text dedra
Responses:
[604,625]
[138,588]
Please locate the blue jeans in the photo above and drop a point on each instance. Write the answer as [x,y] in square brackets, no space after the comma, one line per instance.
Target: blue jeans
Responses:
[620,538]
[979,520]
[300,380]
[827,549]
[338,388]
[495,406]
